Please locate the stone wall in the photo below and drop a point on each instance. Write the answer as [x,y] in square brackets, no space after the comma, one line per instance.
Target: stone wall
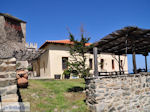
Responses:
[12,35]
[119,93]
[8,82]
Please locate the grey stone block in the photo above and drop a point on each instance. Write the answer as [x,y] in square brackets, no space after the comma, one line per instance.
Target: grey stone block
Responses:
[4,75]
[7,82]
[10,98]
[100,107]
[8,90]
[148,80]
[12,75]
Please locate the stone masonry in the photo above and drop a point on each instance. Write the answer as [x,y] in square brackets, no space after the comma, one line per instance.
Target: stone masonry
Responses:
[119,93]
[8,82]
[12,35]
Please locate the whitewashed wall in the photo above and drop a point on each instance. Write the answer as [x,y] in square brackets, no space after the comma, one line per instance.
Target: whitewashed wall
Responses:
[53,61]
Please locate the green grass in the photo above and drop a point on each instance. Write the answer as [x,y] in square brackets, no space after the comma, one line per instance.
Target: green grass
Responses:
[55,95]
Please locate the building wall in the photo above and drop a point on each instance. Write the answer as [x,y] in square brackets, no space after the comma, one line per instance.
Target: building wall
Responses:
[108,62]
[44,65]
[2,25]
[56,53]
[12,36]
[12,30]
[36,68]
[23,27]
[127,93]
[15,30]
[52,60]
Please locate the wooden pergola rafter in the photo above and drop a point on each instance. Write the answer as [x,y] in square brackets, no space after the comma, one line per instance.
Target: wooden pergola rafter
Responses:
[129,40]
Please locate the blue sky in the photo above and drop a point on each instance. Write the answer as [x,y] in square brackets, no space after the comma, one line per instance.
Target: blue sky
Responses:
[49,19]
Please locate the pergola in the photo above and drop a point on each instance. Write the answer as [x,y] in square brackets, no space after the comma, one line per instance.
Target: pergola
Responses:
[129,40]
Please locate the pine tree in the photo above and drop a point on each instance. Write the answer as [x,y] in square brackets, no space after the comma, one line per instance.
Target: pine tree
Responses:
[77,64]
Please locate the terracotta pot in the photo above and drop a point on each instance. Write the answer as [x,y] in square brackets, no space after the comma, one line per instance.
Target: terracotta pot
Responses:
[22,82]
[25,76]
[21,72]
[18,76]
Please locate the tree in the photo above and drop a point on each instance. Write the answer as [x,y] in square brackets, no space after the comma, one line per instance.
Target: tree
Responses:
[77,64]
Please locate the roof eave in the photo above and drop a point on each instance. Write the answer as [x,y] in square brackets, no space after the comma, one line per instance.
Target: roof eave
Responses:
[12,17]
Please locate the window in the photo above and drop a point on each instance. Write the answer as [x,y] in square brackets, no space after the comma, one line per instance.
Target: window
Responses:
[90,63]
[102,63]
[113,64]
[64,63]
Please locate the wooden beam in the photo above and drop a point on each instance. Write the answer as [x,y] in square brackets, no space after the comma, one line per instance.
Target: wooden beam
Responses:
[146,54]
[112,44]
[140,48]
[118,45]
[105,41]
[122,47]
[134,62]
[119,65]
[146,63]
[95,61]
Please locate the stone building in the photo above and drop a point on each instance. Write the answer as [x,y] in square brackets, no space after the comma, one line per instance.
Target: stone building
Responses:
[12,35]
[12,38]
[31,46]
[52,61]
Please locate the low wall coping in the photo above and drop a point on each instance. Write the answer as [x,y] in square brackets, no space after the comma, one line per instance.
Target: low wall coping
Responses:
[116,76]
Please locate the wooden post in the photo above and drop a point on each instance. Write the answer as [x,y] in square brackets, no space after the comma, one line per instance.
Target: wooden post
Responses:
[119,65]
[146,63]
[134,62]
[95,61]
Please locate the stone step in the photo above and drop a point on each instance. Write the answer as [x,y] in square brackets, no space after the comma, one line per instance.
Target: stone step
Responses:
[10,107]
[8,90]
[7,74]
[15,107]
[10,98]
[7,82]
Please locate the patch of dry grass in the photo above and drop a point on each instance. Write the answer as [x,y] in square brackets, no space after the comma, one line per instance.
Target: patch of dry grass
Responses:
[55,96]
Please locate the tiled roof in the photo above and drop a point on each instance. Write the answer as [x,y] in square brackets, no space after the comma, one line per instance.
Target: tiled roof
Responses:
[60,42]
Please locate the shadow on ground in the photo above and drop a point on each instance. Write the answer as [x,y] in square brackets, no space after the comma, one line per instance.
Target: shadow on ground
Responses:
[76,89]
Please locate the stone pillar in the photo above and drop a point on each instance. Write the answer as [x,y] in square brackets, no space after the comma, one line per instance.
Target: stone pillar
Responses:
[146,63]
[134,62]
[95,61]
[119,65]
[8,82]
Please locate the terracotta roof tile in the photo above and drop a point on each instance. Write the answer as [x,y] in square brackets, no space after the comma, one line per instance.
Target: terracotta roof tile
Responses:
[60,42]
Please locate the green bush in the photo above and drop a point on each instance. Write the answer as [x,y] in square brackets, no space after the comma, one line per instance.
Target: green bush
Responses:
[30,69]
[67,73]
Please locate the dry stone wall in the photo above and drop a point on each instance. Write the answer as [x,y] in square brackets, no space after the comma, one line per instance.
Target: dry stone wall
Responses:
[8,82]
[119,93]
